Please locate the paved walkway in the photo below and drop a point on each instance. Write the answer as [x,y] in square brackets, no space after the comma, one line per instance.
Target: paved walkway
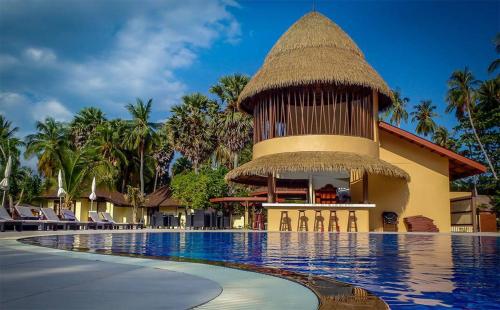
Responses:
[40,278]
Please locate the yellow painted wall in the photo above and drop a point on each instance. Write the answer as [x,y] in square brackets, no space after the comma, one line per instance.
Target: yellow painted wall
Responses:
[426,194]
[274,218]
[123,214]
[327,143]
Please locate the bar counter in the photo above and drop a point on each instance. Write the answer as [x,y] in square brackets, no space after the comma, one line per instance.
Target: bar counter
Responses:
[278,214]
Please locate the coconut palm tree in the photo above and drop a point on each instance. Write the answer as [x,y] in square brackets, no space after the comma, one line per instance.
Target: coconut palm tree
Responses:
[84,125]
[192,126]
[397,110]
[461,96]
[76,167]
[442,137]
[9,144]
[47,145]
[496,63]
[423,116]
[162,154]
[235,129]
[141,133]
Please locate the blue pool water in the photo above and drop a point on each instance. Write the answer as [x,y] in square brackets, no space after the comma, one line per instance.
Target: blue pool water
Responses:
[419,271]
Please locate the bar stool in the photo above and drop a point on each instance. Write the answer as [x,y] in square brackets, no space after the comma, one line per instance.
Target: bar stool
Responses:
[302,223]
[318,221]
[352,220]
[258,224]
[284,221]
[333,220]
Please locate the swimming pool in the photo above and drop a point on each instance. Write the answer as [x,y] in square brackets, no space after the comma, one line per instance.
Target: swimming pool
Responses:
[420,271]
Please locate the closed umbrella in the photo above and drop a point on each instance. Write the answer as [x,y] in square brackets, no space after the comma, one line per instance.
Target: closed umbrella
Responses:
[60,191]
[4,184]
[92,196]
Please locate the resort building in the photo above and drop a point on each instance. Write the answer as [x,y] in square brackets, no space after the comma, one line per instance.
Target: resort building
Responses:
[315,103]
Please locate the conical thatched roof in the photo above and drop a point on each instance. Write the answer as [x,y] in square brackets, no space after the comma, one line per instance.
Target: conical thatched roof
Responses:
[314,50]
[314,162]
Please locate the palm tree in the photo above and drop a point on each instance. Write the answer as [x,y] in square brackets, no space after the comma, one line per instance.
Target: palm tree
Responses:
[9,144]
[461,93]
[136,199]
[76,167]
[229,88]
[496,63]
[442,137]
[108,142]
[398,108]
[141,133]
[47,145]
[84,125]
[162,155]
[235,129]
[423,115]
[191,128]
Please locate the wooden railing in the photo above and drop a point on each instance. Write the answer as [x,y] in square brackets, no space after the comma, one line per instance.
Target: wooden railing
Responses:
[309,111]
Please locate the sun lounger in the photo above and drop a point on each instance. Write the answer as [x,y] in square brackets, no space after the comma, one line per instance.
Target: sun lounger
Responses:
[6,220]
[108,218]
[50,215]
[26,215]
[94,217]
[69,216]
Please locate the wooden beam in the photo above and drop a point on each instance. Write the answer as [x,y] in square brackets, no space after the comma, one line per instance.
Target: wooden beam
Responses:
[271,188]
[365,187]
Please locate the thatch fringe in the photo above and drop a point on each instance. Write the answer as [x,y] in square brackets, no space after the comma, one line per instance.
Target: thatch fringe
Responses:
[313,51]
[315,162]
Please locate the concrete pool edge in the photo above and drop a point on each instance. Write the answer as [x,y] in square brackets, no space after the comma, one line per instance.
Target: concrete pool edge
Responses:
[241,289]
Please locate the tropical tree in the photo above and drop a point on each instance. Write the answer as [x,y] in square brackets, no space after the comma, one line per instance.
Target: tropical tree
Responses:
[9,144]
[76,166]
[47,144]
[442,137]
[461,96]
[136,198]
[397,110]
[235,129]
[162,154]
[182,164]
[424,117]
[192,127]
[84,125]
[141,133]
[496,63]
[229,88]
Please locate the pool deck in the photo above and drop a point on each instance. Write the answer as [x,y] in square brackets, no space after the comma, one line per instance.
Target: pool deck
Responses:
[43,278]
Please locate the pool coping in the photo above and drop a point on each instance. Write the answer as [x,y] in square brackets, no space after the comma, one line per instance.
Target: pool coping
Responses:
[241,289]
[329,293]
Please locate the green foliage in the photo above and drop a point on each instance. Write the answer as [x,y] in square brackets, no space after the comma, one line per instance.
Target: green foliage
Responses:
[397,111]
[182,164]
[424,117]
[195,190]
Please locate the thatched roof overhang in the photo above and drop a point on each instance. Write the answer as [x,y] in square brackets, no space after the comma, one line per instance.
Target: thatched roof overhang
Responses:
[314,51]
[311,162]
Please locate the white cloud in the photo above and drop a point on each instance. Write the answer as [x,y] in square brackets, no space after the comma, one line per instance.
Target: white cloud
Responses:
[40,55]
[24,111]
[50,108]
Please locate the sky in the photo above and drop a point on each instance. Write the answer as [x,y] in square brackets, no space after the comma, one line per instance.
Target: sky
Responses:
[59,56]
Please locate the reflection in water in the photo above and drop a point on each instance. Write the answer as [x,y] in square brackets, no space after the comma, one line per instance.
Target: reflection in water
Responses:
[406,270]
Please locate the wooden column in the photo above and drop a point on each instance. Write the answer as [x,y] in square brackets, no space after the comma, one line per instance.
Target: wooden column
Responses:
[365,187]
[375,115]
[271,188]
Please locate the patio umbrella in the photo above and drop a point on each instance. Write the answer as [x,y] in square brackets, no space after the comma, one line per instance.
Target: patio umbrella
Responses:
[92,196]
[60,191]
[4,184]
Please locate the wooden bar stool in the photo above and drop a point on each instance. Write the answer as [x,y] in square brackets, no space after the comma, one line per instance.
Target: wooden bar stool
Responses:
[352,220]
[333,222]
[318,221]
[284,221]
[302,222]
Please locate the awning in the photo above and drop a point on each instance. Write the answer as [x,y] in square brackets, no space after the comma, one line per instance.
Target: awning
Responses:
[257,170]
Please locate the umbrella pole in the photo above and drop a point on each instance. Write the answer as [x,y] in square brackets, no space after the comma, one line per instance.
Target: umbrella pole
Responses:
[91,203]
[3,198]
[60,205]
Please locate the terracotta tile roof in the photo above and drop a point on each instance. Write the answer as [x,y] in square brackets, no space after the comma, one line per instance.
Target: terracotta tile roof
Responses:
[459,165]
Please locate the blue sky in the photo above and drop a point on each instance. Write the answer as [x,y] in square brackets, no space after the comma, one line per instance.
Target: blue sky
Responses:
[58,56]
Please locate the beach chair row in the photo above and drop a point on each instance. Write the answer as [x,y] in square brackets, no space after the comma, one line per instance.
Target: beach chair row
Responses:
[25,218]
